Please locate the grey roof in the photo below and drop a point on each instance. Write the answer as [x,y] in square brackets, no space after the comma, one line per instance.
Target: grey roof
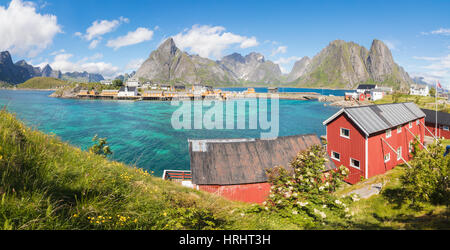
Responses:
[442,117]
[366,86]
[374,118]
[130,89]
[244,161]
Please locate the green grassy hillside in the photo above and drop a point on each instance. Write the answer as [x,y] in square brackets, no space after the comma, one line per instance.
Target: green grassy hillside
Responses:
[48,184]
[43,83]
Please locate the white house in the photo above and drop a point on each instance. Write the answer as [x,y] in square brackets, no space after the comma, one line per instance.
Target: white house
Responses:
[132,82]
[106,82]
[377,94]
[422,90]
[127,91]
[363,88]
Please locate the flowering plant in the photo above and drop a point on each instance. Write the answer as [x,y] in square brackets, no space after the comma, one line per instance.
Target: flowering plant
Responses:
[304,190]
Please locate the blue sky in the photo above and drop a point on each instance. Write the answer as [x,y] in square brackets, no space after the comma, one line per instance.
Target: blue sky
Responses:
[112,37]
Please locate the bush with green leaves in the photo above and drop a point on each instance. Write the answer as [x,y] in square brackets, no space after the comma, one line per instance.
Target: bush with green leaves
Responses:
[100,147]
[304,192]
[427,180]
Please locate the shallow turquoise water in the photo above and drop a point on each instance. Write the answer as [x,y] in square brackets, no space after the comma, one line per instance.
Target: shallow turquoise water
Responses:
[141,133]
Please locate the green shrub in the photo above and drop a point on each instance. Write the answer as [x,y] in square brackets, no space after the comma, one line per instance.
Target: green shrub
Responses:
[427,181]
[305,192]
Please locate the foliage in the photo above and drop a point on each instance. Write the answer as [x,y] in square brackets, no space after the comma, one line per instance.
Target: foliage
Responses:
[117,83]
[100,147]
[432,92]
[305,193]
[396,97]
[428,178]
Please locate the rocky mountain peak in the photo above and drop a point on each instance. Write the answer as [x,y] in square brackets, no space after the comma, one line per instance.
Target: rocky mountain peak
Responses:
[168,47]
[5,58]
[256,57]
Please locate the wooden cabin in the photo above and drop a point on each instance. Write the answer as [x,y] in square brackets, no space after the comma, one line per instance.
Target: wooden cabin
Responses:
[109,92]
[236,168]
[442,119]
[370,140]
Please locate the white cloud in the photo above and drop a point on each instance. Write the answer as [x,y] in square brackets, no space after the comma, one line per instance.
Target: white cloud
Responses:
[283,61]
[134,64]
[99,28]
[287,60]
[94,44]
[426,58]
[279,50]
[63,63]
[24,31]
[441,31]
[133,37]
[211,40]
[439,69]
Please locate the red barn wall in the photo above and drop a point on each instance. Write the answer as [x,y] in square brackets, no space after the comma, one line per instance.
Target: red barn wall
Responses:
[378,148]
[250,193]
[354,147]
[440,131]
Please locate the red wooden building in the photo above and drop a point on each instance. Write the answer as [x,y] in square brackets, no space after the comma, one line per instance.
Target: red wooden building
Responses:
[370,140]
[236,168]
[442,120]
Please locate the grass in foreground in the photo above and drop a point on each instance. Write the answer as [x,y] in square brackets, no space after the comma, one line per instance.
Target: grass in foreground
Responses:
[49,184]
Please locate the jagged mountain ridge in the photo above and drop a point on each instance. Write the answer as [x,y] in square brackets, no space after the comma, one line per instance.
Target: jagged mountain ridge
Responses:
[346,64]
[21,71]
[168,63]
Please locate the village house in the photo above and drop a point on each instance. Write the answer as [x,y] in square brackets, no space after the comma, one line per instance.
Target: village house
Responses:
[106,82]
[370,140]
[236,168]
[126,91]
[442,119]
[365,88]
[132,82]
[422,90]
[377,94]
[110,92]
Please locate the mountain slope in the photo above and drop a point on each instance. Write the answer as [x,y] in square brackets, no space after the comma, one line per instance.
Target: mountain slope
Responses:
[251,68]
[170,64]
[9,72]
[346,64]
[299,69]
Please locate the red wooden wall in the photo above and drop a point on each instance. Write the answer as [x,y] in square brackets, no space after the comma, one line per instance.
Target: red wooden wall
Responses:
[378,148]
[354,147]
[250,193]
[440,131]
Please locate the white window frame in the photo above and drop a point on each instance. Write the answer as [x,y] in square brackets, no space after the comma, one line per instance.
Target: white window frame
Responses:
[352,165]
[388,133]
[388,157]
[446,128]
[399,129]
[334,158]
[399,156]
[417,122]
[342,135]
[410,146]
[410,124]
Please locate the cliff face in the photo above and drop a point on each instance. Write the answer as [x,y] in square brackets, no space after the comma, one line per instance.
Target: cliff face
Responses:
[9,72]
[251,68]
[168,63]
[346,64]
[299,69]
[21,71]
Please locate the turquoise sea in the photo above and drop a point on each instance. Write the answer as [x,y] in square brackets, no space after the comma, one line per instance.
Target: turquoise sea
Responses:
[141,133]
